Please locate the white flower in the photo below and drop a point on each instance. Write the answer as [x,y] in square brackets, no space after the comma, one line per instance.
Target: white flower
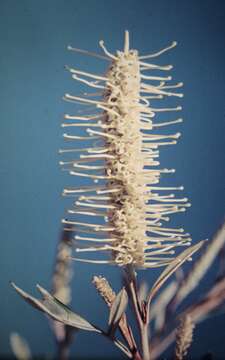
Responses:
[124,158]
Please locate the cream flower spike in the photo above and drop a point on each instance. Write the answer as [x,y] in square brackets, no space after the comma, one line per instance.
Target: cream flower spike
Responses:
[127,207]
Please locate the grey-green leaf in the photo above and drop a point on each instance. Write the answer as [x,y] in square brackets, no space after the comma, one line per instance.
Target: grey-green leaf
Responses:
[175,264]
[55,309]
[118,307]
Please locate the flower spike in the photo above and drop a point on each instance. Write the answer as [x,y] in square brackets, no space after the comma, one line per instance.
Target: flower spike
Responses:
[126,211]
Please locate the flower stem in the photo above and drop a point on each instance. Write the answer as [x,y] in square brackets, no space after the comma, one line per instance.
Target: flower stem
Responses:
[142,315]
[145,342]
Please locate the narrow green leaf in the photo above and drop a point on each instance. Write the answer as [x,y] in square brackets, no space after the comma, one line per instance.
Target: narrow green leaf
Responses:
[55,309]
[175,264]
[117,309]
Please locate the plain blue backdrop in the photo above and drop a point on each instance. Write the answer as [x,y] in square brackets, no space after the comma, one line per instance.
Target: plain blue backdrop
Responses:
[33,40]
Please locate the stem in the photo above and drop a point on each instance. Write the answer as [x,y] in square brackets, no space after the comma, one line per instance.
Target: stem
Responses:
[63,350]
[128,337]
[145,342]
[137,356]
[142,316]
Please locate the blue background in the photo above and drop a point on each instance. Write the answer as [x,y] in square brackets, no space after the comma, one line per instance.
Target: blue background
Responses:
[33,40]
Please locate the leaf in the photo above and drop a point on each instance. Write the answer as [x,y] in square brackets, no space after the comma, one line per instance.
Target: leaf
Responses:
[20,347]
[117,309]
[201,266]
[170,269]
[123,348]
[55,309]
